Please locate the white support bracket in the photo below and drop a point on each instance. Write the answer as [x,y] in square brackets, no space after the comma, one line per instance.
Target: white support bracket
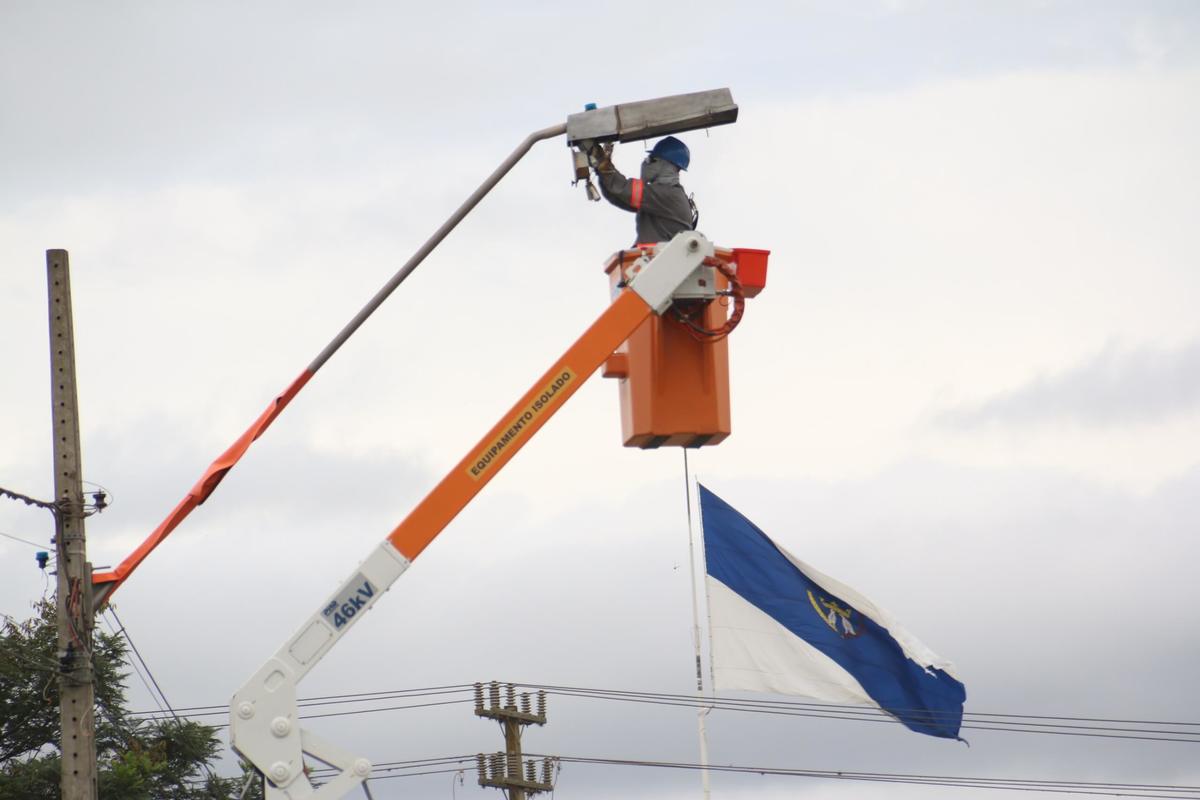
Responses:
[352,772]
[674,264]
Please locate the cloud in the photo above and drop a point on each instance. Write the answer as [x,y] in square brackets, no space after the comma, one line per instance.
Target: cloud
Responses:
[1024,579]
[282,483]
[227,216]
[1117,386]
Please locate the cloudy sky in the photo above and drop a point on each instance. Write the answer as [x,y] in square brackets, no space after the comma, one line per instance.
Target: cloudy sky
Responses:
[971,389]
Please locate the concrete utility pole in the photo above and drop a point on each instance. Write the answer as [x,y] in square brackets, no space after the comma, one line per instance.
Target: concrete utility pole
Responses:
[507,770]
[75,613]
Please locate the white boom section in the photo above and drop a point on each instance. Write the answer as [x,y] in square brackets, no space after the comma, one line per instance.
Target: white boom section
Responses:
[264,724]
[264,721]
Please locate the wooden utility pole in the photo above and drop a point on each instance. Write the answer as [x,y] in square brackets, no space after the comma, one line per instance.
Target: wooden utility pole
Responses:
[75,613]
[508,770]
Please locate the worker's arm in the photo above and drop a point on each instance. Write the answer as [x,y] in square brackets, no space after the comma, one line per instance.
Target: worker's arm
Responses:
[619,190]
[667,201]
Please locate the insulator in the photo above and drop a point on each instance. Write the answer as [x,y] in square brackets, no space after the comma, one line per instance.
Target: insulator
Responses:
[530,772]
[494,691]
[546,771]
[541,704]
[525,707]
[481,767]
[514,766]
[512,697]
[479,697]
[496,766]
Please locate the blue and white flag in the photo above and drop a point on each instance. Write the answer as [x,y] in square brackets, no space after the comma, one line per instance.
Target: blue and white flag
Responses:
[780,626]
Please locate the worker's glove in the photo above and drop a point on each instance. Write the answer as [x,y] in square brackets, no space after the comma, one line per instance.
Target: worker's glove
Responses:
[600,157]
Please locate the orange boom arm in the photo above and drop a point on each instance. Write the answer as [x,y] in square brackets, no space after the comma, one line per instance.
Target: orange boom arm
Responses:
[264,725]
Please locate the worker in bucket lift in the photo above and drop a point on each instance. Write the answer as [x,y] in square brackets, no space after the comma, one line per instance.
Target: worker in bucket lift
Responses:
[662,206]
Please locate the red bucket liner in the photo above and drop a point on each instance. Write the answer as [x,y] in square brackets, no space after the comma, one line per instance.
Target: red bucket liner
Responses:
[751,269]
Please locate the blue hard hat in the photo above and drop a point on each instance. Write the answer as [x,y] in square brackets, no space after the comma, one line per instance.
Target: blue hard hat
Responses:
[673,151]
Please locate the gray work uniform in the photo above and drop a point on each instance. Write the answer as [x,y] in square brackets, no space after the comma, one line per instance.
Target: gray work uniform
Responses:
[661,205]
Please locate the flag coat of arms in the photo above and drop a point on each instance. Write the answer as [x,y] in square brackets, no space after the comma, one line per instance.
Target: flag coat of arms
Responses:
[778,625]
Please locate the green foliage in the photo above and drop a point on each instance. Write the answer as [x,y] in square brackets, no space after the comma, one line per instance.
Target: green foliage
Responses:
[29,720]
[138,759]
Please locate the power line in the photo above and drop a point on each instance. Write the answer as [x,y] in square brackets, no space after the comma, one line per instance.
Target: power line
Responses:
[138,671]
[124,632]
[1009,784]
[835,706]
[462,763]
[340,713]
[401,766]
[353,697]
[1012,723]
[24,541]
[1137,730]
[27,500]
[420,692]
[600,693]
[581,691]
[446,764]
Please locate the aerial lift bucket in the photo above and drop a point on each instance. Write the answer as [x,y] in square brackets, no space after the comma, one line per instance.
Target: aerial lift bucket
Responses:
[674,381]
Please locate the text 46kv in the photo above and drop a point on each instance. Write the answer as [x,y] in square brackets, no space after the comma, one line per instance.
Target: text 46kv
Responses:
[341,610]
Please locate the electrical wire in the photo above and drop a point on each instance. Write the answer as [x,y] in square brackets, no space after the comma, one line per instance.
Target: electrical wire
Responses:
[137,669]
[29,501]
[419,692]
[415,763]
[339,699]
[222,710]
[137,653]
[225,711]
[460,778]
[1020,723]
[1093,788]
[387,708]
[24,541]
[454,764]
[157,688]
[686,312]
[101,500]
[1094,727]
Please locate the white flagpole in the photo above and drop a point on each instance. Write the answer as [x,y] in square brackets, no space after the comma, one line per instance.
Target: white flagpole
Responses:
[702,714]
